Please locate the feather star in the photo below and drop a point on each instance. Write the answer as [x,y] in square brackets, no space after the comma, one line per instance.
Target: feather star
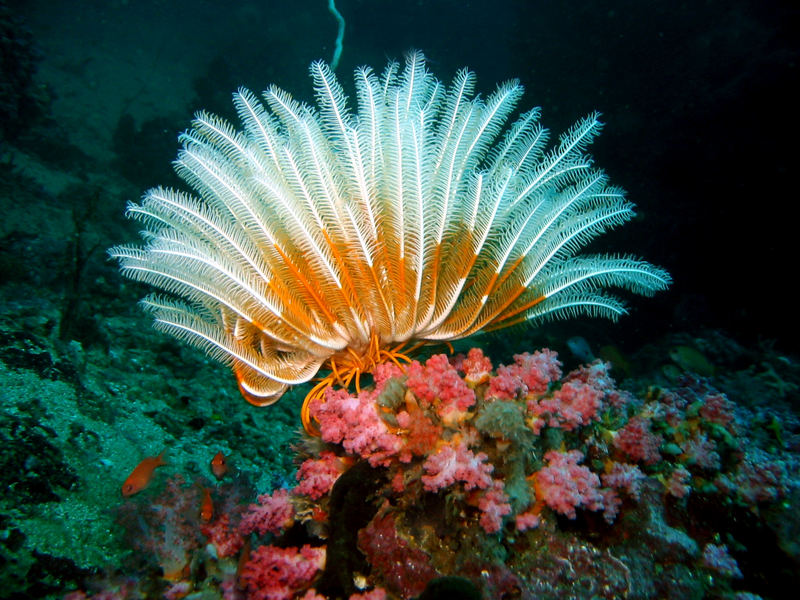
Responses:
[328,238]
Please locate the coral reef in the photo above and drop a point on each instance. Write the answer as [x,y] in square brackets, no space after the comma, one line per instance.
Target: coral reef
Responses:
[515,482]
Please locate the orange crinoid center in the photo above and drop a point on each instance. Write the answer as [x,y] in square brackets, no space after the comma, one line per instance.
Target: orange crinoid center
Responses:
[344,367]
[348,366]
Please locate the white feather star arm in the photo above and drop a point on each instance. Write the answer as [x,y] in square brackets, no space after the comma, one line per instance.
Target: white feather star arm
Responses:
[331,238]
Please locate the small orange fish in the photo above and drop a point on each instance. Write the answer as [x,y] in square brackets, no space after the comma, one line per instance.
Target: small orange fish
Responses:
[244,558]
[219,465]
[140,477]
[207,508]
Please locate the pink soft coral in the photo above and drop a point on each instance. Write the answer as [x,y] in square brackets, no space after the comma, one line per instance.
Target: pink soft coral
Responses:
[530,374]
[538,370]
[317,475]
[624,476]
[579,400]
[716,557]
[637,441]
[573,405]
[438,384]
[451,463]
[273,513]
[224,538]
[701,451]
[678,483]
[280,573]
[565,485]
[595,374]
[717,409]
[169,531]
[420,433]
[760,478]
[353,421]
[476,366]
[494,505]
[526,520]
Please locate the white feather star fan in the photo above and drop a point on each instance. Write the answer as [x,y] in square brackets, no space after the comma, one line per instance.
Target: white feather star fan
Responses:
[322,238]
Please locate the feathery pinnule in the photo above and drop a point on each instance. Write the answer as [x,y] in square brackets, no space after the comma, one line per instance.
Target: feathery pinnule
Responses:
[333,237]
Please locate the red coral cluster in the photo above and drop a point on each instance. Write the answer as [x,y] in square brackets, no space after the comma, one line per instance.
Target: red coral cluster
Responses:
[404,568]
[170,530]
